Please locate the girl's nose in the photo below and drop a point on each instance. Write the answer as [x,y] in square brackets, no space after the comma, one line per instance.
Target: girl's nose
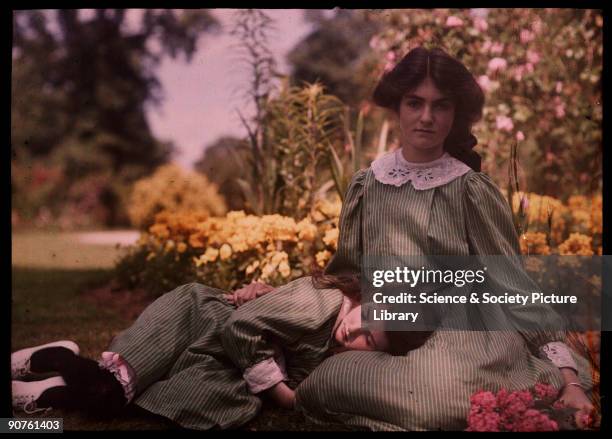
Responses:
[426,116]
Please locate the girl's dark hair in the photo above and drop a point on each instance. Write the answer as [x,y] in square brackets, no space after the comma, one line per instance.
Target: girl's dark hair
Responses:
[454,80]
[400,342]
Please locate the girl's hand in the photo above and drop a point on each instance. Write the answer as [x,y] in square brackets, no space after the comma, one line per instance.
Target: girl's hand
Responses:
[574,397]
[282,395]
[248,293]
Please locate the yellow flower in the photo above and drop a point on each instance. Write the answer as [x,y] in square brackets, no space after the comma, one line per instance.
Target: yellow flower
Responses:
[181,247]
[210,255]
[578,202]
[284,269]
[225,252]
[306,230]
[331,237]
[576,244]
[581,217]
[197,240]
[150,256]
[534,243]
[266,272]
[322,257]
[251,267]
[534,264]
[169,245]
[159,230]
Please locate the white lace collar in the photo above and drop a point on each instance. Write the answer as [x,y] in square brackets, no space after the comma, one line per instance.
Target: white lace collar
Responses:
[392,168]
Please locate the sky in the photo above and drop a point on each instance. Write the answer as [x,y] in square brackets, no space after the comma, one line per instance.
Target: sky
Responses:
[201,97]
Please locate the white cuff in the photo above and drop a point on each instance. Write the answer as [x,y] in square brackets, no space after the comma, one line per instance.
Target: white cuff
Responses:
[559,354]
[264,375]
[124,373]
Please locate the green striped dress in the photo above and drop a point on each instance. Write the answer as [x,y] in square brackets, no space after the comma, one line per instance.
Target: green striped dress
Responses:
[430,387]
[190,347]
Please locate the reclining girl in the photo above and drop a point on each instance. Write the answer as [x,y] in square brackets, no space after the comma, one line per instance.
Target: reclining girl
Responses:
[203,359]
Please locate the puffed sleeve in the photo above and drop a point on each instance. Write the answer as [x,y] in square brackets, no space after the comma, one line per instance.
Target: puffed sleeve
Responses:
[253,332]
[491,234]
[348,255]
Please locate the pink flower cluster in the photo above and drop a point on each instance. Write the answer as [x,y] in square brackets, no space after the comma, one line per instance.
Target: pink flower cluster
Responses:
[511,411]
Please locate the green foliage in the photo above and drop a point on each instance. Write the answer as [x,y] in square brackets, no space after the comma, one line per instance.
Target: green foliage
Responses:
[291,132]
[221,162]
[304,124]
[541,72]
[334,54]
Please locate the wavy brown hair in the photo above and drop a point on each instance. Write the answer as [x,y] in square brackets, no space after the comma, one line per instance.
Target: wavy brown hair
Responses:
[400,342]
[454,80]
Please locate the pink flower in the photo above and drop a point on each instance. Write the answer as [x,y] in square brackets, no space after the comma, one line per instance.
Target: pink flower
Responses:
[584,420]
[533,57]
[533,420]
[559,107]
[481,24]
[558,404]
[485,400]
[497,48]
[453,21]
[511,411]
[559,87]
[497,64]
[504,123]
[374,42]
[526,36]
[536,26]
[520,136]
[486,46]
[390,56]
[529,67]
[483,422]
[484,82]
[545,391]
[518,73]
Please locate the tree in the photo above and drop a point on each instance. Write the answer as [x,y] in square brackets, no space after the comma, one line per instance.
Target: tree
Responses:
[80,87]
[336,54]
[222,162]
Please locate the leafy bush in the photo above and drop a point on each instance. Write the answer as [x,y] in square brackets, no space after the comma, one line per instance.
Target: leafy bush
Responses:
[170,188]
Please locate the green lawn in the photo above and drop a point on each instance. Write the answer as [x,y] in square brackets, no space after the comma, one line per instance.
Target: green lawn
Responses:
[50,302]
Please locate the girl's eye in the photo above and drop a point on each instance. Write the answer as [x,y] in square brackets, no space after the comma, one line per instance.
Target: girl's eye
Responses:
[443,105]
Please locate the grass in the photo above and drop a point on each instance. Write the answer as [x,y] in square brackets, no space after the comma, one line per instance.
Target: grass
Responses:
[51,301]
[59,250]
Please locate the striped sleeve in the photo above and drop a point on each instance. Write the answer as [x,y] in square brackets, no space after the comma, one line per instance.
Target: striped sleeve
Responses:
[280,318]
[491,234]
[348,254]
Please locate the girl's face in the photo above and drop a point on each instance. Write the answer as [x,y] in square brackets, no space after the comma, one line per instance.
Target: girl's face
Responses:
[351,336]
[426,117]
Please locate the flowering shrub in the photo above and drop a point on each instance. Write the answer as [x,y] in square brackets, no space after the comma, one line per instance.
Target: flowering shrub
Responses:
[170,188]
[574,228]
[523,410]
[540,70]
[226,252]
